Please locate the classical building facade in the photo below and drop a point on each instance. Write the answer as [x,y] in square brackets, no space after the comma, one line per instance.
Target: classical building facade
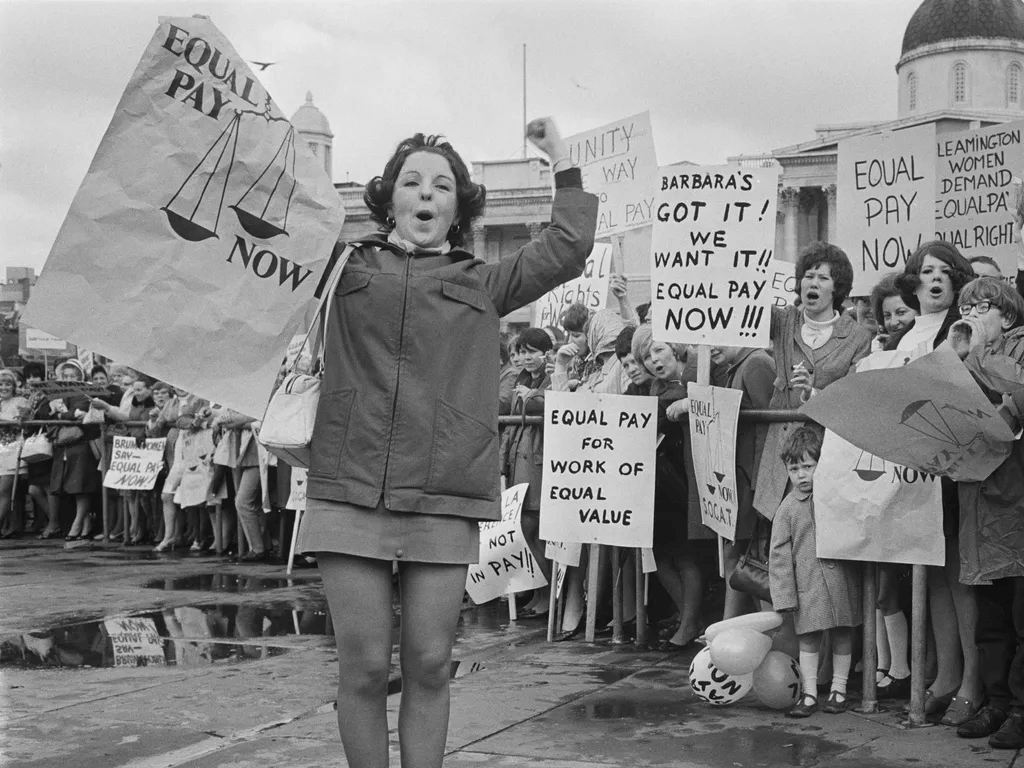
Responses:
[961,66]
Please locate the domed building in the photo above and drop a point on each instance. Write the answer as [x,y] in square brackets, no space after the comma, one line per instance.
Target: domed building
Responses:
[311,124]
[961,67]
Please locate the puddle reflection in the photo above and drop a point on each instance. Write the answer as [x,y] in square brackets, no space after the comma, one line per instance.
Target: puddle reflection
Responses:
[223,582]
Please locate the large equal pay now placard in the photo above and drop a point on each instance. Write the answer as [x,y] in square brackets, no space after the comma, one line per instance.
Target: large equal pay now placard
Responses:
[885,200]
[711,255]
[199,235]
[599,455]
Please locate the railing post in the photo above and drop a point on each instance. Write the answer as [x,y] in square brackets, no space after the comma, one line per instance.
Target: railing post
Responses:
[104,501]
[869,658]
[618,635]
[593,582]
[917,639]
[641,602]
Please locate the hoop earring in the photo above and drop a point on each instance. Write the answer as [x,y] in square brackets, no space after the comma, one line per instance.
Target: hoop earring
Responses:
[454,229]
[390,221]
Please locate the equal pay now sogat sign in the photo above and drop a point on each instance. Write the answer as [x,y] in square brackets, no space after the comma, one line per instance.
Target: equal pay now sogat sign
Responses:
[885,199]
[714,412]
[599,455]
[711,255]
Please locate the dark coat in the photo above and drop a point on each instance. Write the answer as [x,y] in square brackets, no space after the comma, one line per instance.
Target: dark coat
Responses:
[409,401]
[522,445]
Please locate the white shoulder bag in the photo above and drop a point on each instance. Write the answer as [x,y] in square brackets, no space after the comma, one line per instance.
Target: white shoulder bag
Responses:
[287,428]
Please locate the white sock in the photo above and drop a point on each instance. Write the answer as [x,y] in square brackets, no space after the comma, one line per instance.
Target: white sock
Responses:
[882,646]
[899,637]
[841,671]
[809,673]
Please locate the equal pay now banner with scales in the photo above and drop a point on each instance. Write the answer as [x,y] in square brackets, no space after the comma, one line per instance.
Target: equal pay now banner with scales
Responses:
[199,235]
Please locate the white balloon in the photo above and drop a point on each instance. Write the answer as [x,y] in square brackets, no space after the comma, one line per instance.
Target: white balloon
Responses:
[715,686]
[739,651]
[765,621]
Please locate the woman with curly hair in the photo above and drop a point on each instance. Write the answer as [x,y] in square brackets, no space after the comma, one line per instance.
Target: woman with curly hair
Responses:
[404,455]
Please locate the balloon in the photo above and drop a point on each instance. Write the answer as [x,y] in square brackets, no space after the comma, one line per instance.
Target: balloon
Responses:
[777,680]
[739,651]
[765,621]
[715,686]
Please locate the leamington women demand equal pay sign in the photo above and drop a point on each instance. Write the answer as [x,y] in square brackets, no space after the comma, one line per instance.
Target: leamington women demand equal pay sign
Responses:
[711,254]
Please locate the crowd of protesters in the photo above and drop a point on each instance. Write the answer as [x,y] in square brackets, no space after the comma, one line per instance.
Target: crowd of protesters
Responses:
[58,492]
[976,601]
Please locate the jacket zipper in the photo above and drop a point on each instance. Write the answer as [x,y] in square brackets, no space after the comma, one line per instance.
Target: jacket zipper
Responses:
[385,486]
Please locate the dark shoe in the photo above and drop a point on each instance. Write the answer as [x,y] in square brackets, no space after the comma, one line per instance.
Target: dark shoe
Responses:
[985,723]
[570,634]
[892,688]
[935,704]
[803,709]
[667,646]
[254,557]
[960,711]
[836,703]
[302,561]
[1010,734]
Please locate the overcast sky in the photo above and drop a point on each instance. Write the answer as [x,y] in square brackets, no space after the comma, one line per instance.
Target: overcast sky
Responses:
[720,78]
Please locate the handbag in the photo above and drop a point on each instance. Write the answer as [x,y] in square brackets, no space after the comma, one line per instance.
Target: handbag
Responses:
[37,448]
[287,427]
[69,436]
[751,572]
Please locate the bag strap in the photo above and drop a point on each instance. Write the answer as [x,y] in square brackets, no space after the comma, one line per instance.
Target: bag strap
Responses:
[323,309]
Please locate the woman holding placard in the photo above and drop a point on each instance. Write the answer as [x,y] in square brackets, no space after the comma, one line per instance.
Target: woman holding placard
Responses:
[404,454]
[814,344]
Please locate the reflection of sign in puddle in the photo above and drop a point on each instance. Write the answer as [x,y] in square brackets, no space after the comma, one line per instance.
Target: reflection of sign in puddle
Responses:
[222,582]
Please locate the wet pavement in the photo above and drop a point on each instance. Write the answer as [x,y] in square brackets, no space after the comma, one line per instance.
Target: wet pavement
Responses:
[114,657]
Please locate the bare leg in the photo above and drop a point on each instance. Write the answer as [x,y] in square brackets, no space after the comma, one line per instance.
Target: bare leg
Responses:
[574,604]
[359,594]
[6,500]
[81,525]
[41,502]
[966,604]
[431,603]
[944,626]
[689,611]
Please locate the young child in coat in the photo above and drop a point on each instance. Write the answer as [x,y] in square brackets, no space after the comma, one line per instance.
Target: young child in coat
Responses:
[824,594]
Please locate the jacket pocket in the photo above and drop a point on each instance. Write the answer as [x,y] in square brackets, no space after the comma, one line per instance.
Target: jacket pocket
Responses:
[330,432]
[463,457]
[352,281]
[464,295]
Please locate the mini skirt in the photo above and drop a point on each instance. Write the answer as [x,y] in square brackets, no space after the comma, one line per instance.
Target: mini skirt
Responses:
[379,533]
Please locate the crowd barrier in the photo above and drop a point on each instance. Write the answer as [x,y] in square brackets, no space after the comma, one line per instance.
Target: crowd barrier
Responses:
[869,656]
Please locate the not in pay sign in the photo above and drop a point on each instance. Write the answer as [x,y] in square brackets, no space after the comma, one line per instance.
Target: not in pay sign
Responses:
[599,454]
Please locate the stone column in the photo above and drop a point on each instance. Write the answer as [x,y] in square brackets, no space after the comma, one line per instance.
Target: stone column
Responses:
[789,204]
[479,240]
[830,201]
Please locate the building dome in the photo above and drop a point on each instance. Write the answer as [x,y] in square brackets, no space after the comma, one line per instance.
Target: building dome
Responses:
[309,119]
[939,20]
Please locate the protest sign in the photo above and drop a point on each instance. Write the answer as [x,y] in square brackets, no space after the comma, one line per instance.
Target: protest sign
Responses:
[195,243]
[714,413]
[506,564]
[133,468]
[136,642]
[598,482]
[619,166]
[979,181]
[782,282]
[885,197]
[590,289]
[711,255]
[929,415]
[297,492]
[564,552]
[195,452]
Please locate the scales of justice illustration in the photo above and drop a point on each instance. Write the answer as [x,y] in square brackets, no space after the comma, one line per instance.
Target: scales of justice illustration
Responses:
[262,210]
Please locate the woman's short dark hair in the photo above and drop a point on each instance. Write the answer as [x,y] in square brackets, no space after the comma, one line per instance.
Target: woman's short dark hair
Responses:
[801,442]
[147,381]
[997,293]
[960,271]
[503,340]
[575,318]
[98,369]
[986,260]
[642,311]
[624,342]
[471,197]
[34,370]
[884,289]
[534,338]
[162,386]
[815,255]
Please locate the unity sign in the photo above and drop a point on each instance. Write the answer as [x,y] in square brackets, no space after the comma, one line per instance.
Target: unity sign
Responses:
[222,214]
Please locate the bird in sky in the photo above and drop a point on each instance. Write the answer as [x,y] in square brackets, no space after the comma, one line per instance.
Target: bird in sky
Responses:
[263,64]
